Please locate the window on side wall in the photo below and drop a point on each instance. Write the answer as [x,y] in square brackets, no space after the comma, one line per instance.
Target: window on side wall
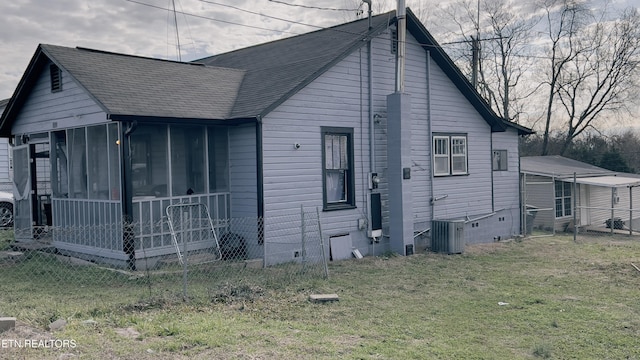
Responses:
[499,160]
[563,198]
[337,172]
[450,155]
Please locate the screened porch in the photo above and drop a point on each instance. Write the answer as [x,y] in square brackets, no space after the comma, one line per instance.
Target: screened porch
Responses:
[92,178]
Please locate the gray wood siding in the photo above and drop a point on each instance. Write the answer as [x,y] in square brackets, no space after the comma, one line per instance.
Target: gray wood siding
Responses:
[467,195]
[293,177]
[416,85]
[339,98]
[242,171]
[506,184]
[45,110]
[539,193]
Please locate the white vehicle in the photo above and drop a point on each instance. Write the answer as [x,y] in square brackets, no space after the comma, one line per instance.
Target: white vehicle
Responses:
[6,209]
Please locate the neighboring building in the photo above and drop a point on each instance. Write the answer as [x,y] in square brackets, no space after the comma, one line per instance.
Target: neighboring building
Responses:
[5,157]
[312,120]
[599,194]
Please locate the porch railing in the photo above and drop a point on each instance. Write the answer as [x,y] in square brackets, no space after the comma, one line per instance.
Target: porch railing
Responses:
[95,227]
[87,225]
[152,229]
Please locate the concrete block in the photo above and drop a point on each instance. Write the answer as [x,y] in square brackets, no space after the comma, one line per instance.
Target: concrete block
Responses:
[321,298]
[11,255]
[7,323]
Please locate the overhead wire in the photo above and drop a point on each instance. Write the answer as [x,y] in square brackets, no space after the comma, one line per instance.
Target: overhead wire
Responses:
[213,19]
[311,7]
[261,14]
[269,16]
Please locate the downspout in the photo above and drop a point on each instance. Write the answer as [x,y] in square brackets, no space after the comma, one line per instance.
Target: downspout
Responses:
[432,199]
[493,199]
[372,140]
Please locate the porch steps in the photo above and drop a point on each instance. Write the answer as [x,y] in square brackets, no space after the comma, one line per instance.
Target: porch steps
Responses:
[11,256]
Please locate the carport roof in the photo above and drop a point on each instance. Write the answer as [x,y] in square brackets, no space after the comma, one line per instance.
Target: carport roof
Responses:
[607,181]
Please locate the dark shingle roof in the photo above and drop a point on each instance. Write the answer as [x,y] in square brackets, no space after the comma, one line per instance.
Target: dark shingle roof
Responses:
[242,84]
[558,166]
[278,69]
[131,85]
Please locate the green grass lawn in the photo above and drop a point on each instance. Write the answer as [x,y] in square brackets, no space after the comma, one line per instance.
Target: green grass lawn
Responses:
[532,299]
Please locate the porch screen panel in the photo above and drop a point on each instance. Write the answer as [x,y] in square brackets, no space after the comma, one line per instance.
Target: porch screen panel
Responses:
[187,160]
[114,160]
[218,147]
[149,161]
[98,155]
[77,164]
[59,172]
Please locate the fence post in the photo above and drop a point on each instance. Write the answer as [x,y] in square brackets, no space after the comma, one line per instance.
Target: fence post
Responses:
[324,256]
[261,228]
[630,210]
[185,216]
[575,208]
[303,239]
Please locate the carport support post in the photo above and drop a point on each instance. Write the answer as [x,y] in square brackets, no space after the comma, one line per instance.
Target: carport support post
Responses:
[575,208]
[612,222]
[630,210]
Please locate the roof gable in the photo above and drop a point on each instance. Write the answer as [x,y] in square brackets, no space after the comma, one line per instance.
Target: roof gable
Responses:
[125,85]
[278,69]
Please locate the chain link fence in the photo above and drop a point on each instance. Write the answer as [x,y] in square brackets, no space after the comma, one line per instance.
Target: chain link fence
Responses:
[189,256]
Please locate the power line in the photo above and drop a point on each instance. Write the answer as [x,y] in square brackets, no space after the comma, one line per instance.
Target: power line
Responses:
[311,7]
[261,14]
[267,29]
[213,19]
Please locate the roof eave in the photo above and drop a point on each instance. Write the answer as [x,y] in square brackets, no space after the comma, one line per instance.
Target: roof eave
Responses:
[182,120]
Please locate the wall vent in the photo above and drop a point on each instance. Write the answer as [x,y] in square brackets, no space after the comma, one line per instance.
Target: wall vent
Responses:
[394,41]
[56,78]
[447,236]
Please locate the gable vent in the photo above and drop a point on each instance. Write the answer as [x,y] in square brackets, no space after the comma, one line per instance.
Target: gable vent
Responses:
[394,41]
[56,78]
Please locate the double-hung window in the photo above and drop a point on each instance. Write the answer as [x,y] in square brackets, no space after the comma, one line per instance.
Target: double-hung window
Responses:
[338,174]
[563,198]
[449,155]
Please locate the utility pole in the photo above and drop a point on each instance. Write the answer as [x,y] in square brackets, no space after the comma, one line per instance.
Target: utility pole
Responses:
[475,52]
[475,59]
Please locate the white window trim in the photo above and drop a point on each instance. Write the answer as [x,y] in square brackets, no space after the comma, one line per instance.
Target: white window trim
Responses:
[439,156]
[453,171]
[563,197]
[449,156]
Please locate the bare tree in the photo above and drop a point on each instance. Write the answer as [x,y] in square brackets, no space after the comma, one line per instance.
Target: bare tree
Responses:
[505,59]
[594,67]
[504,31]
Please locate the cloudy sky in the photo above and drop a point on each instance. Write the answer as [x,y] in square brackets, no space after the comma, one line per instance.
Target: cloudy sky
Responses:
[129,26]
[146,27]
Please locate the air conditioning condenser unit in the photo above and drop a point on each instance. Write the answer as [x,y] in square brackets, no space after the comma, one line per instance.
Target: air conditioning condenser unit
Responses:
[447,236]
